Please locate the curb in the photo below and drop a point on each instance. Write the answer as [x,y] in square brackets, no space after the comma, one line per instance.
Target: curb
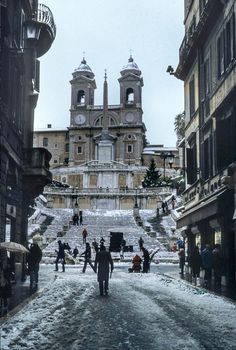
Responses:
[201,288]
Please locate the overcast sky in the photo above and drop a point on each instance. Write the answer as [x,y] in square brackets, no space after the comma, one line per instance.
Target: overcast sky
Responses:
[106,30]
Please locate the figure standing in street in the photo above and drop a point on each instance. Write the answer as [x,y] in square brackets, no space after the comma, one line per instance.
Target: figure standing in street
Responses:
[180,243]
[80,217]
[5,285]
[163,205]
[103,266]
[87,257]
[75,252]
[146,260]
[217,264]
[60,256]
[173,201]
[207,265]
[95,245]
[195,262]
[84,235]
[140,243]
[181,260]
[102,241]
[76,219]
[34,257]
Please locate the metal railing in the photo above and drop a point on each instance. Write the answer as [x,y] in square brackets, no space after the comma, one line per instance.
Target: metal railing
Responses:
[45,16]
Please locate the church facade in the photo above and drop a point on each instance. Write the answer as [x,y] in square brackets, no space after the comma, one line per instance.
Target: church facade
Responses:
[100,154]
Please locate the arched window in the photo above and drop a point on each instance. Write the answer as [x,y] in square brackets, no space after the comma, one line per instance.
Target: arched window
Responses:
[130,95]
[81,97]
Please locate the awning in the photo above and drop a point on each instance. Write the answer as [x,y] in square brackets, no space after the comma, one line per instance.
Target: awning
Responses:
[201,211]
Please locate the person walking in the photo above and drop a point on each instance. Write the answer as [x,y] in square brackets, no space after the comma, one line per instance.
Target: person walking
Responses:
[217,264]
[34,257]
[207,265]
[60,256]
[195,263]
[140,243]
[84,235]
[103,266]
[87,257]
[146,260]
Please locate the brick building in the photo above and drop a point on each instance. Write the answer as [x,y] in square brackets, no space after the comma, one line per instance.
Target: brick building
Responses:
[27,31]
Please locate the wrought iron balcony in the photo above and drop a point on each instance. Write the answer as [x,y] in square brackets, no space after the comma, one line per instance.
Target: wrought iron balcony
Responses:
[47,29]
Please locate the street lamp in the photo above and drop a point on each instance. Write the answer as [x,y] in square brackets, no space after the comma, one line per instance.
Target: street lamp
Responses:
[136,208]
[170,157]
[76,207]
[159,205]
[136,197]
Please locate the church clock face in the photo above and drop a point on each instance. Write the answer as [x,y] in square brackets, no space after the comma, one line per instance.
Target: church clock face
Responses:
[79,119]
[129,117]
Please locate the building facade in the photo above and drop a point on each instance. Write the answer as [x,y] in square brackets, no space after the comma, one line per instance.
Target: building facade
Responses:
[27,31]
[100,155]
[207,65]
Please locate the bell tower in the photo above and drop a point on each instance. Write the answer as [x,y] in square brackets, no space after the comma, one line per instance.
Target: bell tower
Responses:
[82,87]
[131,83]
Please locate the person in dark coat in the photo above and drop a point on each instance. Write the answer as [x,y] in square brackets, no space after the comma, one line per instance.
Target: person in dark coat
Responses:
[163,205]
[103,261]
[76,219]
[5,285]
[87,257]
[60,256]
[181,254]
[146,260]
[207,265]
[140,243]
[84,235]
[34,257]
[195,262]
[102,241]
[80,217]
[217,264]
[75,252]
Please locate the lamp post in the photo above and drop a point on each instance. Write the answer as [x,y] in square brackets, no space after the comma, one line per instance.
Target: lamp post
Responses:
[136,208]
[76,207]
[164,157]
[159,204]
[170,157]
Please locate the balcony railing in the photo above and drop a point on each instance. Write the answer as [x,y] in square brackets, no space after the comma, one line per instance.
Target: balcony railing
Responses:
[45,16]
[112,191]
[47,29]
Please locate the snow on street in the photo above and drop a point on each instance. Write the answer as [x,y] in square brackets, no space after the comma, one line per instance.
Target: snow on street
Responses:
[142,311]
